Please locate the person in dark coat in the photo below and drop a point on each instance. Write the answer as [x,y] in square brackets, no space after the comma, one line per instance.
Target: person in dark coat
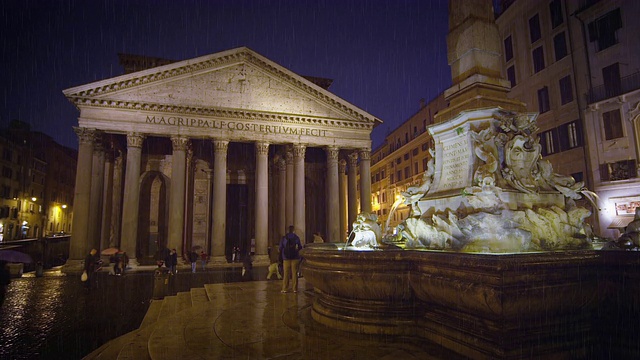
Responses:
[193,259]
[171,261]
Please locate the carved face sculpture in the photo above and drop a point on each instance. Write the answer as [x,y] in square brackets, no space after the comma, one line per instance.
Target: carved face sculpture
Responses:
[521,155]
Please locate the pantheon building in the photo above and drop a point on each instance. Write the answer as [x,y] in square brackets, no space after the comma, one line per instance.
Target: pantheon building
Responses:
[221,151]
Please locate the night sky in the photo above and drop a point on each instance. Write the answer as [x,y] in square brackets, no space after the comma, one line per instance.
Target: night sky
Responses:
[383,55]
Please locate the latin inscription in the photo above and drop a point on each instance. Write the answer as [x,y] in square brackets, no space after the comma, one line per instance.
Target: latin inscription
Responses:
[455,163]
[234,126]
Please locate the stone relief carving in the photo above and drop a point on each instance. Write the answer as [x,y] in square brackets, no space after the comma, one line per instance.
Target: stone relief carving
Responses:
[501,211]
[366,231]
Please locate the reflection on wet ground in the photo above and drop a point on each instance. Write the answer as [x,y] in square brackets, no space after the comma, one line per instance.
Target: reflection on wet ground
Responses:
[55,317]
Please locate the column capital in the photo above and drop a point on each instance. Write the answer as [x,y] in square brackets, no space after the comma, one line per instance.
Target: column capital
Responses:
[262,148]
[299,150]
[98,146]
[220,146]
[332,153]
[135,140]
[365,154]
[353,159]
[179,142]
[282,165]
[342,166]
[85,136]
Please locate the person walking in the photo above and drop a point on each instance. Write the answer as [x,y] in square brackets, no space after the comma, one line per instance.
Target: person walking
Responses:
[290,246]
[193,258]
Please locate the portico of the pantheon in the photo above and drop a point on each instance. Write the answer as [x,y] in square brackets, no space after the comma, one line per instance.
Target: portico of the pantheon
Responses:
[214,152]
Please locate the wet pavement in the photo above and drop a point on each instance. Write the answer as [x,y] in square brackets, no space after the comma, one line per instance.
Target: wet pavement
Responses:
[55,317]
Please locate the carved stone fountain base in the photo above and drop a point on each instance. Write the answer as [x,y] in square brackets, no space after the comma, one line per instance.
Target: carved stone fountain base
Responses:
[507,306]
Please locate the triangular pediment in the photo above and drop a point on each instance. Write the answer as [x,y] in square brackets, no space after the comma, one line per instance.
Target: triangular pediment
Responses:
[238,80]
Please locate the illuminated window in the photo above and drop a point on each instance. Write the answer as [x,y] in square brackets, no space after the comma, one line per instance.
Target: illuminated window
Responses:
[570,135]
[549,142]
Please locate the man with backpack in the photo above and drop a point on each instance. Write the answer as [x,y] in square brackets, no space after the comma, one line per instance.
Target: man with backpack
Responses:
[290,246]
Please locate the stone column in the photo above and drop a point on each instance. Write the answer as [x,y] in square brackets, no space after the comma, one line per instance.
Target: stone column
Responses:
[116,201]
[78,247]
[262,200]
[282,198]
[107,201]
[218,234]
[342,184]
[97,184]
[353,187]
[365,180]
[289,157]
[175,237]
[131,198]
[299,194]
[333,195]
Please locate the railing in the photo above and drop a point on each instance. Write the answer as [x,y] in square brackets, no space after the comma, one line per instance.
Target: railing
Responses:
[601,92]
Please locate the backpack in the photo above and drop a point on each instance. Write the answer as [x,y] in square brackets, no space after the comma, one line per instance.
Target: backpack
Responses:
[290,248]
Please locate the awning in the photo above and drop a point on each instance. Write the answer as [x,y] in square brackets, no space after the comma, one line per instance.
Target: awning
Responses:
[620,222]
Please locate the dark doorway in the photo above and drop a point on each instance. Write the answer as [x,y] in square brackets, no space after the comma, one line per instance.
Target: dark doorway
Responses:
[237,219]
[152,225]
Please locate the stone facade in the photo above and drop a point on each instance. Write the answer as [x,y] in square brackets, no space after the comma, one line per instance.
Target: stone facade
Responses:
[202,143]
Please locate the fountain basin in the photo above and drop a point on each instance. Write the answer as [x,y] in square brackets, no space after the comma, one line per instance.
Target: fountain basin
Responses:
[360,291]
[505,306]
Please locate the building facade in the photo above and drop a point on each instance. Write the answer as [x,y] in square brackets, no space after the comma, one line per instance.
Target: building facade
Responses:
[36,184]
[401,161]
[574,62]
[215,152]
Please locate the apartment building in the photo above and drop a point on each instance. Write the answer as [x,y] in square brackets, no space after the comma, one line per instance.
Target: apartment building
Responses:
[36,184]
[573,62]
[401,161]
[612,91]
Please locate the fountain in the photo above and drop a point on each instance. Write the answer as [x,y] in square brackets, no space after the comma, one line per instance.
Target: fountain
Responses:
[496,260]
[478,264]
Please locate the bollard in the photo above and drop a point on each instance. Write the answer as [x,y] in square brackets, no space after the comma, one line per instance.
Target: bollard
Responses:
[160,283]
[39,269]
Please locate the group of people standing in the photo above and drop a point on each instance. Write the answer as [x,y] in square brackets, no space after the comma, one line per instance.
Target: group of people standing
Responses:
[288,256]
